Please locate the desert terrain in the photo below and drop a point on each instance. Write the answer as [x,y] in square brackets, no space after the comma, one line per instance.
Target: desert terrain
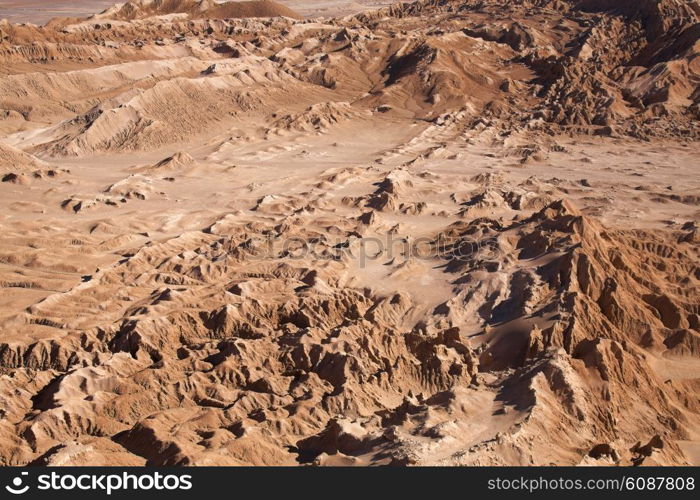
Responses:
[449,232]
[41,11]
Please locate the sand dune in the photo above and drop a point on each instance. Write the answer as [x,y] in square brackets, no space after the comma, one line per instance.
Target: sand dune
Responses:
[434,233]
[196,9]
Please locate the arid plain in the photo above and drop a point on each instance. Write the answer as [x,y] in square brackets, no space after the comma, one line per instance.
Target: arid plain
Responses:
[450,232]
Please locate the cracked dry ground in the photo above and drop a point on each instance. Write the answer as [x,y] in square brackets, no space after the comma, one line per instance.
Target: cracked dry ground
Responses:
[442,233]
